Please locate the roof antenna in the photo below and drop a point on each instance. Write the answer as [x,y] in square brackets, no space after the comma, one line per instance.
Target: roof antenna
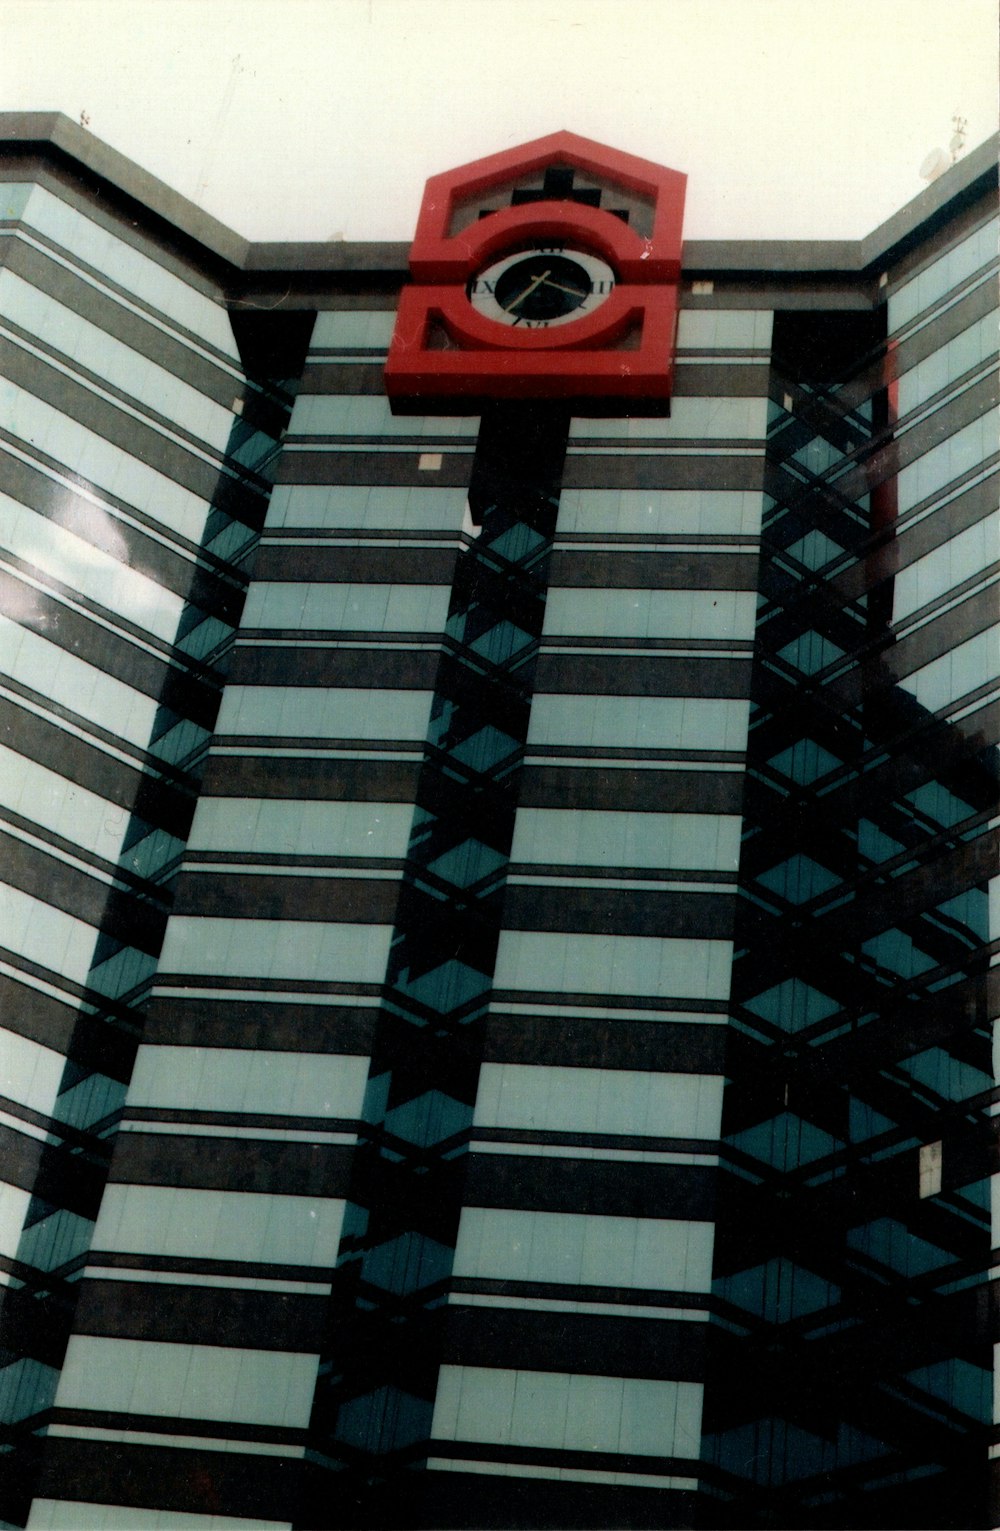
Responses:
[940,160]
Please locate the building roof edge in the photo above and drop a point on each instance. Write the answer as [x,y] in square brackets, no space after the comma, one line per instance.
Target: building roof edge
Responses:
[55,133]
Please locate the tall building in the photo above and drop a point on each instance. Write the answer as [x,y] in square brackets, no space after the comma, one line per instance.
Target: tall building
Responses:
[496,954]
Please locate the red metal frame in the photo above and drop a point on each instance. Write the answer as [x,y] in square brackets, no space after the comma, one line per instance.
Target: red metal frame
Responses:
[445,355]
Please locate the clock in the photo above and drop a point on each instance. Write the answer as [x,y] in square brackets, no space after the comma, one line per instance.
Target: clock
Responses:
[539,288]
[546,272]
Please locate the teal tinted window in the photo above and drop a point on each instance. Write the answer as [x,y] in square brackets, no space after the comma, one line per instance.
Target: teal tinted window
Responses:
[360,507]
[649,722]
[332,607]
[602,964]
[958,559]
[357,329]
[721,329]
[657,840]
[368,415]
[715,512]
[14,198]
[939,278]
[276,949]
[650,613]
[131,269]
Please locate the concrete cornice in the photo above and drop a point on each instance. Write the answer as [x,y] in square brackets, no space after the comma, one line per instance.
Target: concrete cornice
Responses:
[53,136]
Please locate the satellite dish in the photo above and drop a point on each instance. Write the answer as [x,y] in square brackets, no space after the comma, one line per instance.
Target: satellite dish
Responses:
[936,163]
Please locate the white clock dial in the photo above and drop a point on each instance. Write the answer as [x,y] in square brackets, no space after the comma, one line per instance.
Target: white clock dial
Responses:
[536,289]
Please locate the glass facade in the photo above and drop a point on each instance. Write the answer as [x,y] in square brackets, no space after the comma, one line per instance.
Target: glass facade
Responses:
[498,926]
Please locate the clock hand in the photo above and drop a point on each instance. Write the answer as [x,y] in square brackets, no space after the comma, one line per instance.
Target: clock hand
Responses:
[536,282]
[577,292]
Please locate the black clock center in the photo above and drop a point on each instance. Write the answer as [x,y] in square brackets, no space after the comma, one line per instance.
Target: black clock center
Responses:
[543,286]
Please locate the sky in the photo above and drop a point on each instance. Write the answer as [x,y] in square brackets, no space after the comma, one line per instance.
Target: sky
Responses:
[318,119]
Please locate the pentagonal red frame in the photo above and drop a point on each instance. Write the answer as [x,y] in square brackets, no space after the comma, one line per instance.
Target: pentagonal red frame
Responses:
[445,356]
[437,256]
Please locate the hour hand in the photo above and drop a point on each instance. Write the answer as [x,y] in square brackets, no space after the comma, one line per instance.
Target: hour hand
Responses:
[535,282]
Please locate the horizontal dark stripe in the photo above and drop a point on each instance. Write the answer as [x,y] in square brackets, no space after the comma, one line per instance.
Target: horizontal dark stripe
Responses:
[922,750]
[545,998]
[946,326]
[269,776]
[620,911]
[232,1164]
[527,872]
[94,1042]
[901,357]
[570,1292]
[902,548]
[190,695]
[567,642]
[284,1121]
[921,890]
[646,675]
[159,803]
[216,592]
[201,1315]
[121,429]
[360,566]
[146,339]
[359,378]
[42,1018]
[909,443]
[398,669]
[364,900]
[236,1483]
[114,911]
[374,536]
[618,470]
[721,380]
[52,606]
[756,1221]
[33,1327]
[182,1424]
[633,569]
[541,1138]
[454,1501]
[395,638]
[588,1343]
[638,791]
[698,379]
[945,633]
[669,1047]
[374,468]
[283,986]
[288,864]
[902,1029]
[938,242]
[198,1265]
[100,385]
[603,1187]
[274,1026]
[53,1174]
[115,210]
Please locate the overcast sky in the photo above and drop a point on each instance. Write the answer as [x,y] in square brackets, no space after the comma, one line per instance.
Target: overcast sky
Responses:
[307,119]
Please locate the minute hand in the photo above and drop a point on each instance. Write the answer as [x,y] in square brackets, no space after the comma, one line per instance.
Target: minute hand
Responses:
[577,292]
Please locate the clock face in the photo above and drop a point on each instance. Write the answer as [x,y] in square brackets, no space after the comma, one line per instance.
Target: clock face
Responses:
[535,289]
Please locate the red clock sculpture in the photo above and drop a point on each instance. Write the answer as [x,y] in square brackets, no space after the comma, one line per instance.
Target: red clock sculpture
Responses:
[546,272]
